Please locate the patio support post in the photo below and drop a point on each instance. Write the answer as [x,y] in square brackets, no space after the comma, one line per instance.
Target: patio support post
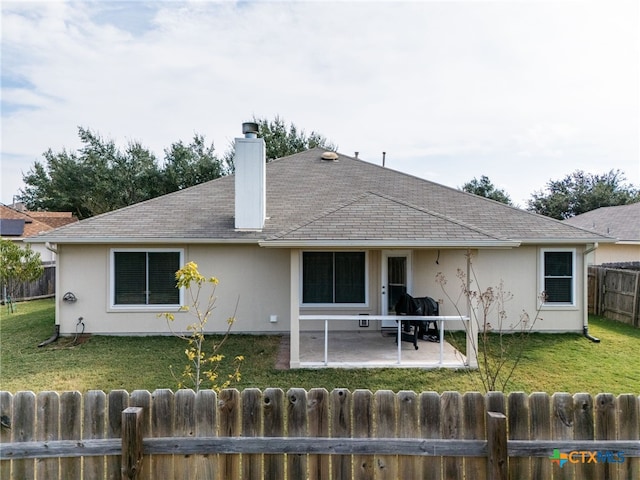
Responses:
[472,325]
[294,295]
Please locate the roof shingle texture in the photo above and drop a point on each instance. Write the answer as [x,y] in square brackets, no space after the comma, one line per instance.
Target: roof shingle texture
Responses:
[621,222]
[313,199]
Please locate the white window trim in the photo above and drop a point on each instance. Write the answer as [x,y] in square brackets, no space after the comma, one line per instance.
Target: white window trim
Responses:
[552,305]
[336,305]
[147,308]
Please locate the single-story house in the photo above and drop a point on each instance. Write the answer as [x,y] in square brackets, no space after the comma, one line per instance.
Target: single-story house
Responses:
[313,233]
[621,222]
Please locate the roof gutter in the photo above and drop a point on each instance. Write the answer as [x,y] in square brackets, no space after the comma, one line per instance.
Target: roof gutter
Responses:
[138,240]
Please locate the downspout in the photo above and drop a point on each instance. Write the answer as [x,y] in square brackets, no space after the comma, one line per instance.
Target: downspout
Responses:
[585,323]
[56,331]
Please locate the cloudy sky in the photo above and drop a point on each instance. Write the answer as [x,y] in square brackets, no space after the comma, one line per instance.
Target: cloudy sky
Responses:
[520,91]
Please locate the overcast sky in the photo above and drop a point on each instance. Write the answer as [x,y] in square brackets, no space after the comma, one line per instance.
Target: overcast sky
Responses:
[520,91]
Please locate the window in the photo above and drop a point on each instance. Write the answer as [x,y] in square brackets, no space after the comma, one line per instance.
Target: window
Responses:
[145,277]
[333,277]
[558,271]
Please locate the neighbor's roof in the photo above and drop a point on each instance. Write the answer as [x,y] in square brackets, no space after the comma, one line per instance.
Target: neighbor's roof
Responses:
[17,225]
[315,202]
[621,222]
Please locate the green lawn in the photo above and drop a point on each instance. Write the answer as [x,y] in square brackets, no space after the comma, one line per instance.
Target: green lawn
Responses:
[552,363]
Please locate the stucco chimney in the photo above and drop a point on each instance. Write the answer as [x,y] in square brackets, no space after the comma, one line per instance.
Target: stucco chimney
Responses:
[250,177]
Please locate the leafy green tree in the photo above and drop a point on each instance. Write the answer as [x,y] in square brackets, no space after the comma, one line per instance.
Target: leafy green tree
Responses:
[188,165]
[99,177]
[282,139]
[581,192]
[485,188]
[18,264]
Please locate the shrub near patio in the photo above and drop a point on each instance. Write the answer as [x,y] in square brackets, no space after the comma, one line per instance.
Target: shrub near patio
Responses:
[551,362]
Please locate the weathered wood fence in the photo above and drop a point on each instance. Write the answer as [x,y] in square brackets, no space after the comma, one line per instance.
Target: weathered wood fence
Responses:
[615,293]
[318,434]
[43,287]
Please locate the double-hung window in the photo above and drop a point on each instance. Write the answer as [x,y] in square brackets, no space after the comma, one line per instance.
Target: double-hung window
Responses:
[145,277]
[333,278]
[559,276]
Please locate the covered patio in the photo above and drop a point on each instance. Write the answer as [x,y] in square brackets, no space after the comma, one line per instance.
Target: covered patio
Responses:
[374,349]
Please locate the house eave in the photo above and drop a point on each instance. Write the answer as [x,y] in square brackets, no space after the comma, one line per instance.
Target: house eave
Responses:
[387,244]
[566,241]
[142,240]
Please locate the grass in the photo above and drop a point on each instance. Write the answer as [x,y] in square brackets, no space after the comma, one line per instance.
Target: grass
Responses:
[551,363]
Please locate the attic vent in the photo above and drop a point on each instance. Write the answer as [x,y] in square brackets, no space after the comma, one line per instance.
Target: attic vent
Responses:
[331,156]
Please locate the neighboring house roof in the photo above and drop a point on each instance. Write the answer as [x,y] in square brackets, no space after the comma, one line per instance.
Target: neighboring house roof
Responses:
[54,219]
[16,224]
[621,222]
[311,201]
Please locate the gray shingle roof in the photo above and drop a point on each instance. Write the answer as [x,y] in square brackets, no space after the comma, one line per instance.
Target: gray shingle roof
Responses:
[621,222]
[310,199]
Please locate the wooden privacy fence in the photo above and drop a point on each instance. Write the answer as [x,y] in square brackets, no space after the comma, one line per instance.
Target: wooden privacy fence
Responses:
[318,434]
[43,287]
[615,293]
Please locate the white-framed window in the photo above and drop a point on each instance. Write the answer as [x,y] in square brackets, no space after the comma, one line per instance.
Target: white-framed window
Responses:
[334,278]
[558,276]
[145,277]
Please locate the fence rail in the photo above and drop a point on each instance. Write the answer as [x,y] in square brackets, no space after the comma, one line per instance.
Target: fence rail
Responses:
[318,434]
[615,293]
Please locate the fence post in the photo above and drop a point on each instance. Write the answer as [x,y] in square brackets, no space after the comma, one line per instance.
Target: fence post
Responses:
[497,446]
[131,442]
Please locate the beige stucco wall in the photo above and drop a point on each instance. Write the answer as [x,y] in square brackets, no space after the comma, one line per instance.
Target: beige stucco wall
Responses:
[261,277]
[613,253]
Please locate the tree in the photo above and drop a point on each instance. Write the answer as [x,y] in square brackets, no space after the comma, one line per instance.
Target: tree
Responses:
[281,140]
[99,177]
[188,165]
[201,365]
[485,188]
[17,265]
[581,192]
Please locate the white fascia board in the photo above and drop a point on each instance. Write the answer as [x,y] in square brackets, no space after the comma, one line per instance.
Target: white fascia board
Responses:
[387,244]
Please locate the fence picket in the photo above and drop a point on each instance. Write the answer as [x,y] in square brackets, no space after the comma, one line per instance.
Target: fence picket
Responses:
[474,421]
[340,406]
[162,426]
[184,426]
[583,429]
[540,421]
[518,425]
[318,425]
[605,430]
[206,414]
[452,429]
[430,414]
[296,427]
[6,413]
[93,421]
[142,398]
[363,428]
[385,466]
[629,429]
[70,429]
[47,429]
[408,427]
[562,428]
[251,400]
[229,424]
[273,418]
[118,401]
